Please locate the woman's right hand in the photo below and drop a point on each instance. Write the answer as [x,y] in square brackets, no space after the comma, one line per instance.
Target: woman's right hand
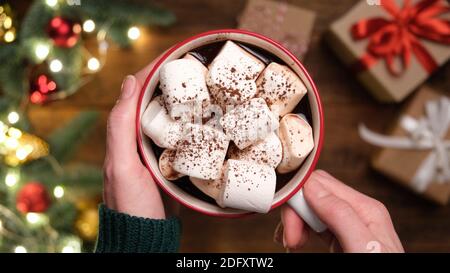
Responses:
[356,222]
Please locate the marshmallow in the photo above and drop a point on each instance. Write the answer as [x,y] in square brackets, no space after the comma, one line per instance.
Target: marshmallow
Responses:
[157,124]
[248,186]
[201,152]
[214,122]
[297,139]
[183,86]
[232,74]
[211,115]
[267,151]
[212,188]
[281,88]
[249,122]
[192,57]
[165,165]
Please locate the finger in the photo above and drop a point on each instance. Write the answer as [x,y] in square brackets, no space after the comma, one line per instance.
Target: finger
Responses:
[121,128]
[278,233]
[330,240]
[141,75]
[295,233]
[354,197]
[372,212]
[121,122]
[360,202]
[339,216]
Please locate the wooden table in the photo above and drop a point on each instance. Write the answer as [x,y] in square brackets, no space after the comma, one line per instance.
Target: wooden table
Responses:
[421,225]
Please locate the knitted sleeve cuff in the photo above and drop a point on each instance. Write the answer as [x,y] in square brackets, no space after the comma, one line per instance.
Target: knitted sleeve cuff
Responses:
[119,232]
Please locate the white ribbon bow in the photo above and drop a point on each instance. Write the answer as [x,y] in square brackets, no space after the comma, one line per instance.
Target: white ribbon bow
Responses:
[425,133]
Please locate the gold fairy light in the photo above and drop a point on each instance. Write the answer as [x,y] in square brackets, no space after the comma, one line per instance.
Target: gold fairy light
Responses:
[51,3]
[134,33]
[20,249]
[11,179]
[58,192]
[13,117]
[7,29]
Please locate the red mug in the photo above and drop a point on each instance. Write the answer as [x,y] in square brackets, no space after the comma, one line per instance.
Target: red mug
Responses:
[296,182]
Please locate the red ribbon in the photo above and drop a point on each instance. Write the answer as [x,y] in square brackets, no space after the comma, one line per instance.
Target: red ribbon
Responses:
[399,37]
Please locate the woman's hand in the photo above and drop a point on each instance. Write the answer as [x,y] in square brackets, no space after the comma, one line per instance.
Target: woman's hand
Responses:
[128,186]
[356,222]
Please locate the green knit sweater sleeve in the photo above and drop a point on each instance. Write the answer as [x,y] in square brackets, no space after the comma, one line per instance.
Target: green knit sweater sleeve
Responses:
[119,232]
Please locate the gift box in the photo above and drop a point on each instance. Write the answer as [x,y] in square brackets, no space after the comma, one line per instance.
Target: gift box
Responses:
[416,152]
[393,46]
[287,24]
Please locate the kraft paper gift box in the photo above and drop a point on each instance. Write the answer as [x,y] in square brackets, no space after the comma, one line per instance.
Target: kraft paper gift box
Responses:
[393,48]
[405,165]
[287,24]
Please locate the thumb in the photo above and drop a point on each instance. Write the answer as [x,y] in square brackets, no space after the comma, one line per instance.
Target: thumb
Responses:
[121,128]
[339,216]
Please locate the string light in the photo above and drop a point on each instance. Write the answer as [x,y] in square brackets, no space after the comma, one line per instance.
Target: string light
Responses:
[20,249]
[14,133]
[11,143]
[23,152]
[11,179]
[134,33]
[41,51]
[93,64]
[56,65]
[51,3]
[103,47]
[7,23]
[9,36]
[89,26]
[33,218]
[68,249]
[13,117]
[72,246]
[58,192]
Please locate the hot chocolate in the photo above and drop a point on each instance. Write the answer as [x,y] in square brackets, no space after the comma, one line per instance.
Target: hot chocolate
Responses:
[248,134]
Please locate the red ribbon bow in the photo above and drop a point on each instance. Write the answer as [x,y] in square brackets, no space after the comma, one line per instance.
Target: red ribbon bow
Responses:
[400,36]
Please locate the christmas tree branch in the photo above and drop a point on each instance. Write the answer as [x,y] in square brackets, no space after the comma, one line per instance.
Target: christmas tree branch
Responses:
[67,138]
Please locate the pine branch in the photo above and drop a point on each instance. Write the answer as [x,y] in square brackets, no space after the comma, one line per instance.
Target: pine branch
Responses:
[83,178]
[62,215]
[72,58]
[127,11]
[11,81]
[8,52]
[79,179]
[117,32]
[33,27]
[67,138]
[12,72]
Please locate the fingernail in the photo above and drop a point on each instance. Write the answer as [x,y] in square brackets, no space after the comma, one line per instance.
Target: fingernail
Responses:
[284,241]
[278,233]
[317,189]
[128,87]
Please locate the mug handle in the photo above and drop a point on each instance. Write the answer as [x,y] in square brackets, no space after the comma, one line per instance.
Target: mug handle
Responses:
[299,204]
